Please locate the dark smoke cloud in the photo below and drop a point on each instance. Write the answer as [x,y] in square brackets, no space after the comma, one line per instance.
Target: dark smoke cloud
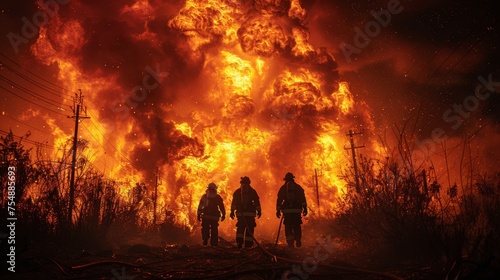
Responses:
[260,36]
[292,111]
[121,46]
[272,7]
[167,145]
[204,22]
[240,107]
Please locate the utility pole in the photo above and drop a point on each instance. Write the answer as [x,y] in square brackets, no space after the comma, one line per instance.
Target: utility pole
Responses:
[353,149]
[317,190]
[77,105]
[155,200]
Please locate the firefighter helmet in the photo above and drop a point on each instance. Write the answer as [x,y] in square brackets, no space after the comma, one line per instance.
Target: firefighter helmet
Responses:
[245,180]
[212,186]
[288,177]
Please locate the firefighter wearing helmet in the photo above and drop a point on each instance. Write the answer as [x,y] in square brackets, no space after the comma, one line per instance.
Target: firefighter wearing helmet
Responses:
[210,209]
[246,204]
[291,203]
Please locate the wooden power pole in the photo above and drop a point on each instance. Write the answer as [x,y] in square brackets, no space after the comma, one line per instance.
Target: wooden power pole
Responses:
[155,199]
[316,175]
[77,108]
[353,149]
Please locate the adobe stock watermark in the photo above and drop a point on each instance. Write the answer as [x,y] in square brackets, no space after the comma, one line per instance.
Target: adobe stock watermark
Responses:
[456,115]
[30,28]
[150,81]
[362,38]
[310,264]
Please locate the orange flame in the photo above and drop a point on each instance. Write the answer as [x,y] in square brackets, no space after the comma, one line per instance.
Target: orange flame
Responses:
[267,106]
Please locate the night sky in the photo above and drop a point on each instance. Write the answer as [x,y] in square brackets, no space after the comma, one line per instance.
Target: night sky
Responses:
[423,63]
[428,58]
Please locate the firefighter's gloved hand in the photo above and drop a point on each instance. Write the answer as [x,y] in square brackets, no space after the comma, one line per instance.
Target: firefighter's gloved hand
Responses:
[304,212]
[199,217]
[223,218]
[231,215]
[278,214]
[259,213]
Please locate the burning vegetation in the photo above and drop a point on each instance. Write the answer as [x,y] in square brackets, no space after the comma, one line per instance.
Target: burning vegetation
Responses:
[181,94]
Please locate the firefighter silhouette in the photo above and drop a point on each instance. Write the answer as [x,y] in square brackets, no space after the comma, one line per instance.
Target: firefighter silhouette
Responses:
[291,203]
[246,204]
[210,209]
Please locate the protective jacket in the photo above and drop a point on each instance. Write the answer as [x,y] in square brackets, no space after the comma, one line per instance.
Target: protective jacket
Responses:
[245,202]
[211,206]
[291,199]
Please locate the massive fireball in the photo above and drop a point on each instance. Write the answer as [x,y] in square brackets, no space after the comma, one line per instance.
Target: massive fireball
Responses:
[243,93]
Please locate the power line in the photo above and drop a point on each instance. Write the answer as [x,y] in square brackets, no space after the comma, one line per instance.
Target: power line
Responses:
[102,172]
[111,144]
[28,125]
[432,75]
[47,100]
[56,112]
[455,49]
[47,81]
[32,93]
[467,53]
[24,139]
[95,117]
[100,144]
[126,159]
[35,83]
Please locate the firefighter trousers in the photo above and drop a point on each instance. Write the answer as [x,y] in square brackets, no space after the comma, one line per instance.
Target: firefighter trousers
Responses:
[293,229]
[244,231]
[210,230]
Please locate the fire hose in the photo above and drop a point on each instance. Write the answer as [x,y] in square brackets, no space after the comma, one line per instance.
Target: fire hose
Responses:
[337,267]
[278,235]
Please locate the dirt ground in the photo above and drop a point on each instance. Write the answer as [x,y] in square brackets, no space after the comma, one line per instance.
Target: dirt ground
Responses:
[178,254]
[321,260]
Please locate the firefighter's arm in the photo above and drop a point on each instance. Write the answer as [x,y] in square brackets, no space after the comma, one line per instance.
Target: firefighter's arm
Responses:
[279,202]
[233,206]
[304,209]
[222,209]
[200,209]
[257,205]
[278,208]
[304,203]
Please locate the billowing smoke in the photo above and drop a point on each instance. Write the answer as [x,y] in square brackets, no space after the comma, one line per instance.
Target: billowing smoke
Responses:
[207,90]
[169,145]
[259,36]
